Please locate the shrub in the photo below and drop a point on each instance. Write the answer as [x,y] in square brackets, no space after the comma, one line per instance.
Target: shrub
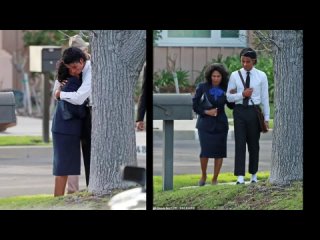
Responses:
[165,78]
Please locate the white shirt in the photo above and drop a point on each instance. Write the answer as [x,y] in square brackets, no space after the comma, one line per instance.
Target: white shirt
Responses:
[84,91]
[259,84]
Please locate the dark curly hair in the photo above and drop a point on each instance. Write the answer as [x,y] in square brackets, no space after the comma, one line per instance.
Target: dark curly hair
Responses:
[62,72]
[222,70]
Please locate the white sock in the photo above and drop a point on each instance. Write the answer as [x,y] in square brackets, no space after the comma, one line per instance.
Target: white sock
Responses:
[254,177]
[240,179]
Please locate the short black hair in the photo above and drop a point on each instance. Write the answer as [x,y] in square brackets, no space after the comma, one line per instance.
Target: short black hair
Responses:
[62,72]
[73,55]
[222,70]
[249,52]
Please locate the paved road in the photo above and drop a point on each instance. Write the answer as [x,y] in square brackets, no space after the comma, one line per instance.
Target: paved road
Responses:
[186,157]
[28,170]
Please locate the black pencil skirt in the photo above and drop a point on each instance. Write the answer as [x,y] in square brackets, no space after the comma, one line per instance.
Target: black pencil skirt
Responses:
[213,144]
[66,154]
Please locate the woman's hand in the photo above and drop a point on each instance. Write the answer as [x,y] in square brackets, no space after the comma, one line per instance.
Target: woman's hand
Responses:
[233,91]
[57,94]
[140,125]
[212,112]
[63,83]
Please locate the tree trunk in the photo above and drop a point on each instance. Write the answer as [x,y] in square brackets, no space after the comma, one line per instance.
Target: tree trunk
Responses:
[118,57]
[287,144]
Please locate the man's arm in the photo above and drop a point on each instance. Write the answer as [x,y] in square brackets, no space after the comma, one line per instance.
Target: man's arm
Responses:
[78,97]
[233,97]
[55,87]
[265,98]
[142,101]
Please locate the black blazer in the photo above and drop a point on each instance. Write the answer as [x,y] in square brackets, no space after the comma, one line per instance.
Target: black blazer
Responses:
[72,126]
[67,118]
[70,110]
[204,121]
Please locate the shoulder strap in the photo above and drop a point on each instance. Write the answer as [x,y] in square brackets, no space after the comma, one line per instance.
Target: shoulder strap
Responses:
[244,85]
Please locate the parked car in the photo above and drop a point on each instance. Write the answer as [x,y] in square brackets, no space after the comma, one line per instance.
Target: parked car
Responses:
[133,199]
[4,126]
[7,110]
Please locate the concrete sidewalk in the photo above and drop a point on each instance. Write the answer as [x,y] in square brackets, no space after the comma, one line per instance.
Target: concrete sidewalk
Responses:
[27,126]
[185,130]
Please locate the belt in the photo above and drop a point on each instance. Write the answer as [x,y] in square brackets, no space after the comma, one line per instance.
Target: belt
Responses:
[256,105]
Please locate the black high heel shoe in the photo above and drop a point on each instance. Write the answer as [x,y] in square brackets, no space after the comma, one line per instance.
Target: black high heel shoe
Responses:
[202,183]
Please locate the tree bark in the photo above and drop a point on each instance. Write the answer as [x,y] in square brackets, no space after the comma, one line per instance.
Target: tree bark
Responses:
[117,59]
[287,144]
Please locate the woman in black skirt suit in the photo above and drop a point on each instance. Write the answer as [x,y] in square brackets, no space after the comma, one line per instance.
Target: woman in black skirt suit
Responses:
[66,131]
[212,124]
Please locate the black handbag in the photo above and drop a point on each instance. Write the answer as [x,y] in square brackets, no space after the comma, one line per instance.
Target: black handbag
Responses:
[205,103]
[70,111]
[66,114]
[260,115]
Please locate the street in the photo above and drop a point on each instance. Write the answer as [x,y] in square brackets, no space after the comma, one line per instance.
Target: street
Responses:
[27,170]
[186,157]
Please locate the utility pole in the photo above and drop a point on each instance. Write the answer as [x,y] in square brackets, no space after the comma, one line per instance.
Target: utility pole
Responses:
[45,107]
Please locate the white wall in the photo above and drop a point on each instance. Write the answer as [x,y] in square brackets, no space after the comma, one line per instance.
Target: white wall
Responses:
[5,67]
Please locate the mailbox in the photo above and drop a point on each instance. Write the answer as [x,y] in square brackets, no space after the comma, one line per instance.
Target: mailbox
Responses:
[172,106]
[44,58]
[7,108]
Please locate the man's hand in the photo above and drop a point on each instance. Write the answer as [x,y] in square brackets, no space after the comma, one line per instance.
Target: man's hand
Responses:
[140,125]
[233,91]
[247,92]
[267,124]
[212,112]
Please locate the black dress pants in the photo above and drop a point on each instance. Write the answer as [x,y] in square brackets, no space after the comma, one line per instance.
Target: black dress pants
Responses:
[86,143]
[246,131]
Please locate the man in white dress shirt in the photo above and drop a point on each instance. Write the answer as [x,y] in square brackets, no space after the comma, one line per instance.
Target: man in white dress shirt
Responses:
[246,123]
[79,65]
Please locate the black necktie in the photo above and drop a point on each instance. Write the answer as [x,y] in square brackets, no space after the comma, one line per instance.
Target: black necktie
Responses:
[246,100]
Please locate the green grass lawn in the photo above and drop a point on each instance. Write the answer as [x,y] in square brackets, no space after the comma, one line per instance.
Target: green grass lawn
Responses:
[78,201]
[260,196]
[21,140]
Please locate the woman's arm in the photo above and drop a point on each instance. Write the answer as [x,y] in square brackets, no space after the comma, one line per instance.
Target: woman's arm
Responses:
[230,105]
[233,96]
[196,101]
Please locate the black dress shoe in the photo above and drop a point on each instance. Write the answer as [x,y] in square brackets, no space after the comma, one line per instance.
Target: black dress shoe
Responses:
[253,181]
[239,183]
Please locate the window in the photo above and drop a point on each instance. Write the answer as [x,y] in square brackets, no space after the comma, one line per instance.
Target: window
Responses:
[189,33]
[229,33]
[203,38]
